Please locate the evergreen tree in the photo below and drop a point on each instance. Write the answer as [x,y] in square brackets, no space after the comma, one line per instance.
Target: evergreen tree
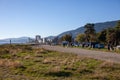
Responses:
[90,32]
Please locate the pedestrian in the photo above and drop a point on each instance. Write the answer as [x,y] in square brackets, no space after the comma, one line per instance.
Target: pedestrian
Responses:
[109,46]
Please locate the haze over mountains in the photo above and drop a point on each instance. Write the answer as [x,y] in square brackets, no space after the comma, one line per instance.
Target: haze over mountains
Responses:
[98,27]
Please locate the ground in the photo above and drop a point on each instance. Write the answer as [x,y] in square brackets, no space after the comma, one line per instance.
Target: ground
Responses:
[22,62]
[92,53]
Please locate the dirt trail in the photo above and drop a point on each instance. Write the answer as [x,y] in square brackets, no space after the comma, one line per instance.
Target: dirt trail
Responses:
[106,56]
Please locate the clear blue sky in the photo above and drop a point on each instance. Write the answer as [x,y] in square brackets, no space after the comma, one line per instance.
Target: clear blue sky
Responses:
[52,17]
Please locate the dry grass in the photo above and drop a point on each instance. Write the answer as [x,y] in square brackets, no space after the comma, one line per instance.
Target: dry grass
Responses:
[10,63]
[40,64]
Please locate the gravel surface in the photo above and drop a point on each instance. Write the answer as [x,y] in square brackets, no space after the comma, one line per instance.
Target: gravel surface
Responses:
[106,56]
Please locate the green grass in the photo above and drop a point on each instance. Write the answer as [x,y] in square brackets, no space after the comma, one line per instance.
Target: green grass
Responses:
[22,62]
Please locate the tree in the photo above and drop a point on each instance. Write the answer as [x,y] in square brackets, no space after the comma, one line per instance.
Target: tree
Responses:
[90,32]
[80,38]
[66,37]
[117,30]
[118,25]
[111,36]
[102,36]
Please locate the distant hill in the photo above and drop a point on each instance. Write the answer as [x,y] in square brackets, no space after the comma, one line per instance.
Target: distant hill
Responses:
[98,27]
[50,37]
[14,40]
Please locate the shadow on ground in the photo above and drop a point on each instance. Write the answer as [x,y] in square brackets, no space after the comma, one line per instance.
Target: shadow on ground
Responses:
[59,74]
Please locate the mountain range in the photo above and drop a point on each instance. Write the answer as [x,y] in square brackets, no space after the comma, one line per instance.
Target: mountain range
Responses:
[98,27]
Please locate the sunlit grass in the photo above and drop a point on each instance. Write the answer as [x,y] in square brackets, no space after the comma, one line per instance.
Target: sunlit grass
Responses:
[22,62]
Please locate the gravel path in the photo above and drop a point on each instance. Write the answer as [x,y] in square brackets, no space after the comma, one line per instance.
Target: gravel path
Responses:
[106,56]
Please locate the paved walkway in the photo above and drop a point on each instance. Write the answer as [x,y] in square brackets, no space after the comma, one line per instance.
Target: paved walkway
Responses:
[106,56]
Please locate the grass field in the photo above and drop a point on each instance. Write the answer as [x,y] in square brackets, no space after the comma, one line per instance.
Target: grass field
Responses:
[22,62]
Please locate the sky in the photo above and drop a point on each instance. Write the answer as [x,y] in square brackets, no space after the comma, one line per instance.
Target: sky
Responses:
[51,17]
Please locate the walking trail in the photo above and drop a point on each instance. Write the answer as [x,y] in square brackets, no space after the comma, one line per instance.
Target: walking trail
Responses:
[106,56]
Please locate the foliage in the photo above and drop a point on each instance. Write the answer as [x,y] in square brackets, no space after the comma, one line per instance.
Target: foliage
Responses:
[108,36]
[113,36]
[90,32]
[117,29]
[102,36]
[80,38]
[118,25]
[66,37]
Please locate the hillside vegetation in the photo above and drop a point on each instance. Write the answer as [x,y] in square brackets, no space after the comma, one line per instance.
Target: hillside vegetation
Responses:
[22,62]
